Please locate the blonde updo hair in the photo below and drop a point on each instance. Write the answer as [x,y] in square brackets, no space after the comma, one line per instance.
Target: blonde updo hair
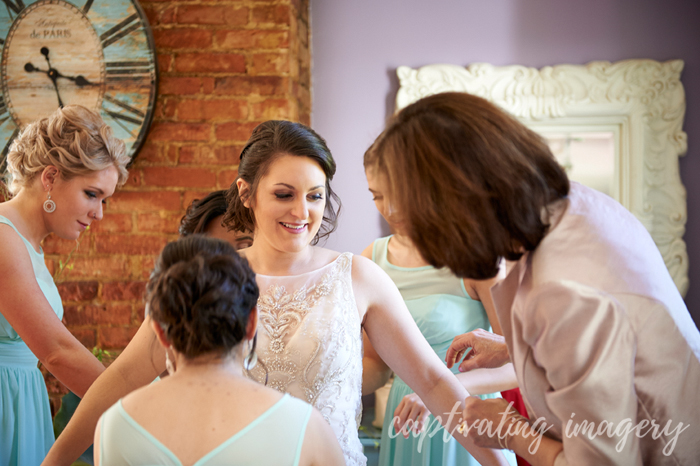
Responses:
[74,139]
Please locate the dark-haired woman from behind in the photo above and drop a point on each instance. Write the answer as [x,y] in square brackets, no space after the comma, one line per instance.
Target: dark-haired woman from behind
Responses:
[205,216]
[202,298]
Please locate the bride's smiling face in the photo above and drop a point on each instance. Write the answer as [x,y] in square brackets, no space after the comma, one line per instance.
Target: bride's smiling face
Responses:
[289,203]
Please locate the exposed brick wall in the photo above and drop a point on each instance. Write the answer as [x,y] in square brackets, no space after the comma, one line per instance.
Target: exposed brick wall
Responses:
[225,66]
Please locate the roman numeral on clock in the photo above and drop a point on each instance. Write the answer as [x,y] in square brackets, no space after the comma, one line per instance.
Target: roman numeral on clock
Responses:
[134,115]
[127,26]
[14,5]
[4,114]
[128,70]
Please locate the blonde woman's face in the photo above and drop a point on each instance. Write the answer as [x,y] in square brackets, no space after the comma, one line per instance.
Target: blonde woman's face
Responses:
[79,201]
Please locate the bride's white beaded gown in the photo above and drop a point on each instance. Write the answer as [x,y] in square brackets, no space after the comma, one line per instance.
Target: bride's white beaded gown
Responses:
[310,344]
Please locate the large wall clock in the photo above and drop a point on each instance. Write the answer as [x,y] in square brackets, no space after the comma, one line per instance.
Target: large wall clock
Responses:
[96,53]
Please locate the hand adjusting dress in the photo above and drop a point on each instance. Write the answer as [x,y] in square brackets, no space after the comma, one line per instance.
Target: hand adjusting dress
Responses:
[26,430]
[442,308]
[310,342]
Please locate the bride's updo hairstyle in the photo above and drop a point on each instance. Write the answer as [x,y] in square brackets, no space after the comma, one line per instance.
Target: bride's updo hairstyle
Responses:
[270,140]
[74,139]
[201,293]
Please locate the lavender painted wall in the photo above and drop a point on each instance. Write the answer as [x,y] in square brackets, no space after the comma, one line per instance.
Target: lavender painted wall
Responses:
[358,44]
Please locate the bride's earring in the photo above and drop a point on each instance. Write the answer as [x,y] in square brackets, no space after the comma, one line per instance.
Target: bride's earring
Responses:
[169,366]
[251,360]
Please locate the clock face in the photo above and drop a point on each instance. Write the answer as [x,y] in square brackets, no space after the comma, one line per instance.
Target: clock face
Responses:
[96,53]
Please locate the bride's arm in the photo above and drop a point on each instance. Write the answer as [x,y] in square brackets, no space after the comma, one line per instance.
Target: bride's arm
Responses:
[140,363]
[400,344]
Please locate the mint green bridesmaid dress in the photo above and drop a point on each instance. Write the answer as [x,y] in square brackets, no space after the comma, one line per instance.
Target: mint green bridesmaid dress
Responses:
[26,431]
[442,308]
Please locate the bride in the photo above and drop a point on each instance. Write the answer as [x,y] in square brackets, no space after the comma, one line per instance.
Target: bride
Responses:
[313,305]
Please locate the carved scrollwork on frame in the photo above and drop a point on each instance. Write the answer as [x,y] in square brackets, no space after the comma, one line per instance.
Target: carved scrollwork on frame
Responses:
[643,99]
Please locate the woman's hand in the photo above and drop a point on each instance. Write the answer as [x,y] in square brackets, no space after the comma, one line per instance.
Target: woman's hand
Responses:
[496,424]
[492,417]
[410,414]
[483,350]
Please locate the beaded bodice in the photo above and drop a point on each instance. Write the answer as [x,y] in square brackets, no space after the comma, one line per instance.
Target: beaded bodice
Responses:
[310,343]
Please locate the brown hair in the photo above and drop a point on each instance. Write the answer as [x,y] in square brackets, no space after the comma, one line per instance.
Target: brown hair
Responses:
[201,212]
[472,182]
[74,139]
[270,140]
[202,293]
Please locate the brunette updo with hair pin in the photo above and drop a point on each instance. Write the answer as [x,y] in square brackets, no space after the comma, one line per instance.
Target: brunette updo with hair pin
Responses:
[74,139]
[270,140]
[202,293]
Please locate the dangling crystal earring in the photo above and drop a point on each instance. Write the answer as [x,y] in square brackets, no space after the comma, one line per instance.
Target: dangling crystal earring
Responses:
[251,360]
[49,205]
[169,366]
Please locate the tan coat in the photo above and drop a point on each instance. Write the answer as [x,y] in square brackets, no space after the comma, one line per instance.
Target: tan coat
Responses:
[598,332]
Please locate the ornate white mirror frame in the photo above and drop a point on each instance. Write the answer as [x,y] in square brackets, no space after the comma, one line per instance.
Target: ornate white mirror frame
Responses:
[641,102]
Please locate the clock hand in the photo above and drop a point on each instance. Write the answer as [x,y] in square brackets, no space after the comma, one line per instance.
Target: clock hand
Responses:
[52,73]
[79,80]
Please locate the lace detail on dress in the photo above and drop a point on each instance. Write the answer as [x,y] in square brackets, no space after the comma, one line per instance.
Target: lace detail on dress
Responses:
[310,342]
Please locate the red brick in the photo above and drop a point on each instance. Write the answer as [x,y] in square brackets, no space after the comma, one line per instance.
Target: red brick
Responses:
[168,15]
[212,14]
[116,337]
[169,108]
[134,179]
[210,62]
[277,63]
[86,336]
[272,109]
[252,39]
[91,314]
[164,62]
[77,291]
[52,244]
[50,265]
[152,14]
[208,85]
[212,110]
[275,14]
[235,131]
[177,85]
[98,267]
[147,201]
[182,38]
[147,266]
[179,177]
[140,311]
[158,15]
[123,291]
[159,222]
[154,153]
[190,196]
[130,244]
[112,223]
[227,178]
[207,155]
[247,85]
[179,132]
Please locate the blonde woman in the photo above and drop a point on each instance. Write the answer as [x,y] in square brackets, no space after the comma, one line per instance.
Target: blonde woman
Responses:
[63,168]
